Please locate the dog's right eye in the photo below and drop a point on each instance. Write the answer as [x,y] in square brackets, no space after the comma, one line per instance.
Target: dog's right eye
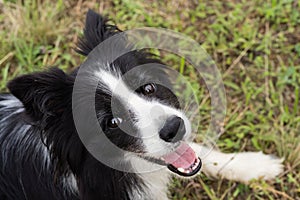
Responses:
[114,122]
[148,89]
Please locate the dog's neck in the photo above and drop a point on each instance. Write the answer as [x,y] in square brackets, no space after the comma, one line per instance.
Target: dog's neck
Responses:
[156,186]
[155,180]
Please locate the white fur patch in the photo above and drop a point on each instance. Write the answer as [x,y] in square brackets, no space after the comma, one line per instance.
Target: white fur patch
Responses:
[70,183]
[11,102]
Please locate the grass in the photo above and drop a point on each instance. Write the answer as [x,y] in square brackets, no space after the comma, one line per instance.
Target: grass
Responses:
[255,44]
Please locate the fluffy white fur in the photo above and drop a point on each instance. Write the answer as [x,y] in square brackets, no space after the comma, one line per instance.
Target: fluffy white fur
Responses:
[241,167]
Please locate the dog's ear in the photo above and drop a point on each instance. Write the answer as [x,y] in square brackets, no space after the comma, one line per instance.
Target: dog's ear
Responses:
[47,99]
[44,93]
[96,31]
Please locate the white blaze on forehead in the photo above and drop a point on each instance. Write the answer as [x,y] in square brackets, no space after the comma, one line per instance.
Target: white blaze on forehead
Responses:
[150,114]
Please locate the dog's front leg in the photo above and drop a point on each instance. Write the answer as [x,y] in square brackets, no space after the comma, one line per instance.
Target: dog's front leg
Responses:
[238,166]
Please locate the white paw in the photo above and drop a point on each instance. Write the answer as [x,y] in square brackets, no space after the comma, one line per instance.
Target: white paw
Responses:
[241,167]
[252,165]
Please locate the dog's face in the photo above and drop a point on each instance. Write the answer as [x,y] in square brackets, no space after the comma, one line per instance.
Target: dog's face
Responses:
[138,112]
[135,106]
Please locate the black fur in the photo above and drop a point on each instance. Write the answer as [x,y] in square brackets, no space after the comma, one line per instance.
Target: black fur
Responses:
[39,116]
[96,31]
[46,97]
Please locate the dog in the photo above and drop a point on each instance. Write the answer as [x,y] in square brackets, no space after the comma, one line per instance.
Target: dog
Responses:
[43,156]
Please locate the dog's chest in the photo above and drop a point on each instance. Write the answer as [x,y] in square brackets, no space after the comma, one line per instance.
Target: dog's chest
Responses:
[156,186]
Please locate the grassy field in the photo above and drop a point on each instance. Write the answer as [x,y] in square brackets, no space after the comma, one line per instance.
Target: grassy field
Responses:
[255,44]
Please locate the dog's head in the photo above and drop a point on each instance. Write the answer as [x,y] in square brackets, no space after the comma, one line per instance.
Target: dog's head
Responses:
[135,106]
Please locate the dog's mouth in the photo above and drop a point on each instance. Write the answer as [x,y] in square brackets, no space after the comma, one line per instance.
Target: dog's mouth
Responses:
[182,161]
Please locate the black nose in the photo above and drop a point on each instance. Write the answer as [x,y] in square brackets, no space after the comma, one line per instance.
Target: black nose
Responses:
[173,129]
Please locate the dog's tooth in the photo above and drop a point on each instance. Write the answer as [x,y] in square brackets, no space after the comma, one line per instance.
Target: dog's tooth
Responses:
[194,167]
[181,170]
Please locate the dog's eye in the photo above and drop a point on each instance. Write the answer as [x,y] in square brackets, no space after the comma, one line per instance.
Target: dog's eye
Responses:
[114,122]
[148,89]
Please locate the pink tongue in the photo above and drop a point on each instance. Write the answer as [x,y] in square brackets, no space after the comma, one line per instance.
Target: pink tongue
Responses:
[182,157]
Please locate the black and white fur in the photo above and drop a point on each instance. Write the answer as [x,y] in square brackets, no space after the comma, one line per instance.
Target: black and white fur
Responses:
[42,156]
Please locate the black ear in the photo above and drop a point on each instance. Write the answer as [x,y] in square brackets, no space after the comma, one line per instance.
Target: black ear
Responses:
[96,31]
[43,94]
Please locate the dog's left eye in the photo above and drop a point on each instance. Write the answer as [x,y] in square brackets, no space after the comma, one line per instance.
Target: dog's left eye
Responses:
[148,89]
[114,122]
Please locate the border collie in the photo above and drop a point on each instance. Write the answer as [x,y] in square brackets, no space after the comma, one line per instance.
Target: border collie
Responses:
[43,157]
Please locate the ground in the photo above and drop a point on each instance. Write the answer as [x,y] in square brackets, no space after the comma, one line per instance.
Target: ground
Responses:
[255,44]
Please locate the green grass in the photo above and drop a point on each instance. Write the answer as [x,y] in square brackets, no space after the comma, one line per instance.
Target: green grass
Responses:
[255,44]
